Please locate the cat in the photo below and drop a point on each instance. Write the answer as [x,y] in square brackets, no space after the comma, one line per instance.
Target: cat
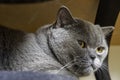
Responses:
[69,46]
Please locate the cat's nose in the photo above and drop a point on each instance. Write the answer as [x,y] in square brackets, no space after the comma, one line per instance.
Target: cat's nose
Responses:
[93,57]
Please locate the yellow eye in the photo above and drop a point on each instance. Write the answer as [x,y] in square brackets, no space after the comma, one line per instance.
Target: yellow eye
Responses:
[100,50]
[82,44]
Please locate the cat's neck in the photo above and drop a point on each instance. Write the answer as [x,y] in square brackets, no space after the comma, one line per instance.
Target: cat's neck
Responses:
[42,37]
[42,40]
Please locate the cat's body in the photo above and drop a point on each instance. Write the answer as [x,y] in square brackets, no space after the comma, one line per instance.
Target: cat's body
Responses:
[21,51]
[69,46]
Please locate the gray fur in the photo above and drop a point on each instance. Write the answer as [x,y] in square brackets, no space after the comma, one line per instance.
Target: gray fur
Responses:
[54,48]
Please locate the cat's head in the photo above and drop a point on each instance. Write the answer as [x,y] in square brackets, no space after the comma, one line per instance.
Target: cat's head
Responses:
[79,45]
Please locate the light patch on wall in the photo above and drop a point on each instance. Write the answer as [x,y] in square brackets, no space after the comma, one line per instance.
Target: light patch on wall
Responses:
[116,34]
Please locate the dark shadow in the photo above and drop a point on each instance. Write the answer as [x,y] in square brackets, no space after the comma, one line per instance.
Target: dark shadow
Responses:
[21,1]
[106,16]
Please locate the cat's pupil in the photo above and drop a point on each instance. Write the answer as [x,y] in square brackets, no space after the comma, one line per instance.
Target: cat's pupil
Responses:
[82,44]
[100,49]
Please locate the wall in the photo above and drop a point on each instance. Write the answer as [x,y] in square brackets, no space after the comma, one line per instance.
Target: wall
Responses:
[29,17]
[116,34]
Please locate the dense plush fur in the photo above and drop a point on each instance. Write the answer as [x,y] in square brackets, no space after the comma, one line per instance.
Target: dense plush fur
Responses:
[68,46]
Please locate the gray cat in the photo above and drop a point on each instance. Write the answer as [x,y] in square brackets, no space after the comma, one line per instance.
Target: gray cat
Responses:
[69,46]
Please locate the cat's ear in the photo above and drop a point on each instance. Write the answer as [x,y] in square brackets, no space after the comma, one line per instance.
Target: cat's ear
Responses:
[64,17]
[108,29]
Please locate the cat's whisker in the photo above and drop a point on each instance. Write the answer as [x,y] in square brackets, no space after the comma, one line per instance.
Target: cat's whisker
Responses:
[67,65]
[100,71]
[70,64]
[77,70]
[104,67]
[103,70]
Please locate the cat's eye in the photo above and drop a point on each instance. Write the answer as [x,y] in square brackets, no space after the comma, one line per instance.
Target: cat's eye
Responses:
[100,50]
[82,44]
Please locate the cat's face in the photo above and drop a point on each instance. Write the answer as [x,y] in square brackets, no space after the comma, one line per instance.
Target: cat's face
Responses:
[78,45]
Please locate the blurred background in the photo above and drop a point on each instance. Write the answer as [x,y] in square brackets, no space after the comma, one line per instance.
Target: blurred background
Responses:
[29,17]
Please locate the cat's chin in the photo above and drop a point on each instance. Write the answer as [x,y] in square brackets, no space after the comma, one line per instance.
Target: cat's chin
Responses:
[84,72]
